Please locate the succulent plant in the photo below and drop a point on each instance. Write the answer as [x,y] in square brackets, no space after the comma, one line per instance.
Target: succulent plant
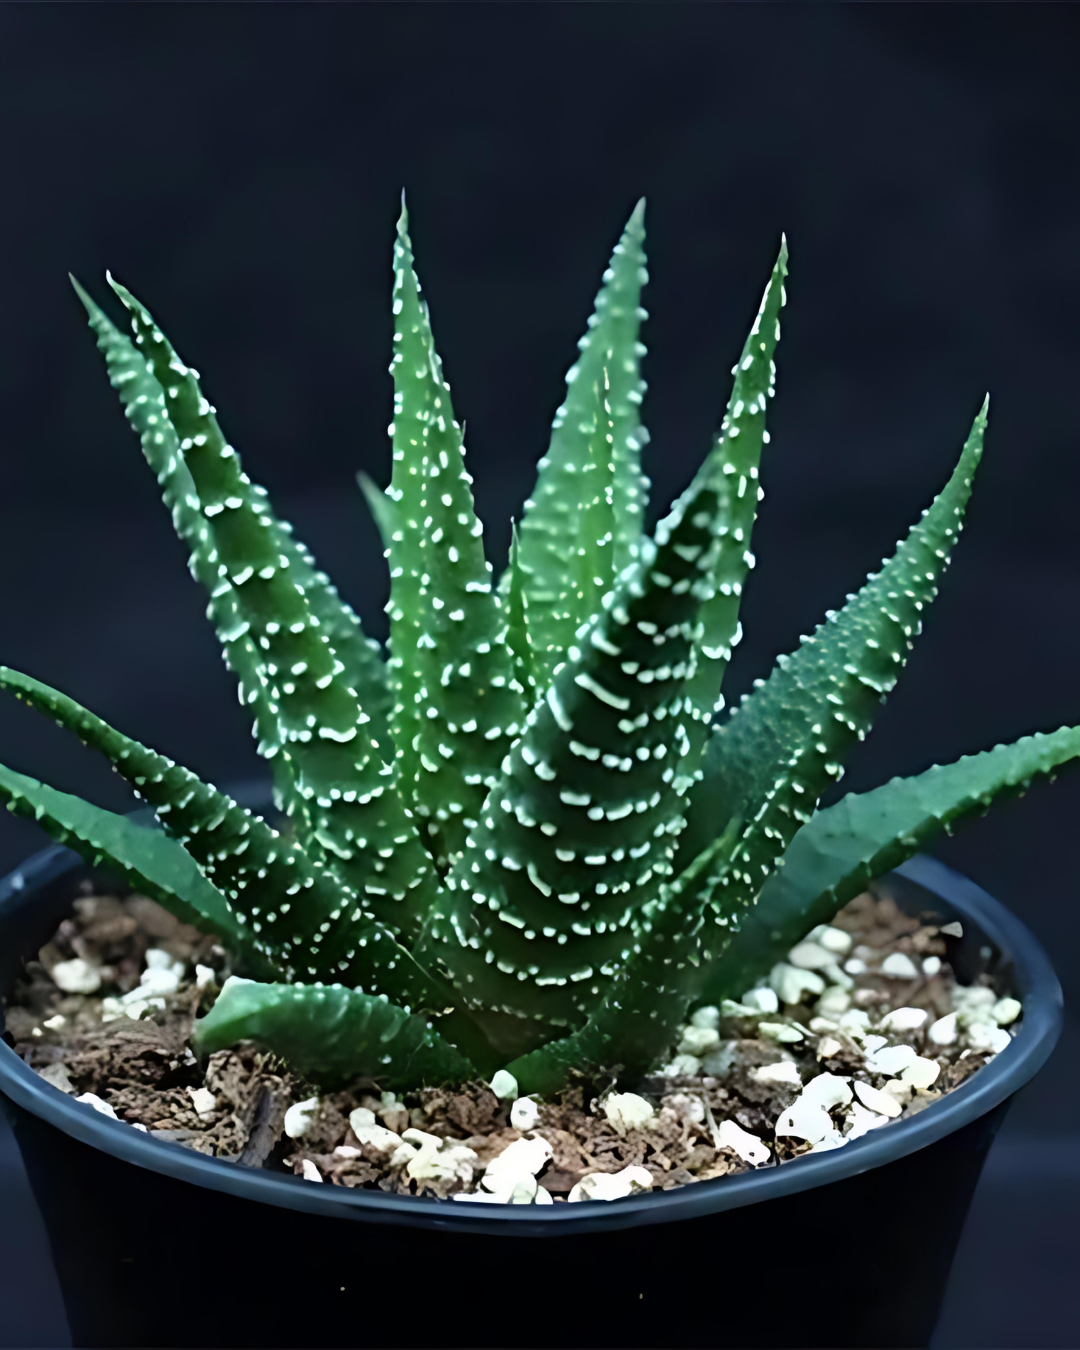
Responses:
[533,837]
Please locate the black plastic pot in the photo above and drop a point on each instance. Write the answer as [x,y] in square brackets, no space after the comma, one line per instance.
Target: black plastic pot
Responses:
[156,1245]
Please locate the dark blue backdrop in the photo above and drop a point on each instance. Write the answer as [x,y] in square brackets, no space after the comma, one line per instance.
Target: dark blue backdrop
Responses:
[239,167]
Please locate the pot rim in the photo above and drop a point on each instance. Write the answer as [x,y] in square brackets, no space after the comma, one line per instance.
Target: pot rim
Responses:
[1034,976]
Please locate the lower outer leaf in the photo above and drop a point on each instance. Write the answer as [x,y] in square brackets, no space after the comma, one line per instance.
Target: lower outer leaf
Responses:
[298,915]
[332,1034]
[837,678]
[832,858]
[146,858]
[828,862]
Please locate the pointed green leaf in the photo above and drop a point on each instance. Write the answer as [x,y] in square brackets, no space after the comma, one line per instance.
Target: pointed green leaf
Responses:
[580,830]
[148,860]
[835,854]
[343,788]
[583,826]
[551,528]
[458,706]
[296,914]
[694,921]
[588,571]
[143,403]
[838,676]
[692,925]
[332,1035]
[737,447]
[381,508]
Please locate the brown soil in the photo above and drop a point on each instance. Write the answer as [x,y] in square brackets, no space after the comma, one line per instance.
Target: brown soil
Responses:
[146,1072]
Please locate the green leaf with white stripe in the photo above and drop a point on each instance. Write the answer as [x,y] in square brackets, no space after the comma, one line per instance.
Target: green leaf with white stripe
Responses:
[332,1035]
[148,860]
[648,998]
[295,913]
[552,529]
[737,447]
[580,831]
[841,849]
[588,572]
[691,927]
[838,676]
[144,405]
[343,788]
[458,704]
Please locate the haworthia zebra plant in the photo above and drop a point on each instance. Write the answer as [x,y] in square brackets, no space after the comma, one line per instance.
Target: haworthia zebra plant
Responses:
[533,836]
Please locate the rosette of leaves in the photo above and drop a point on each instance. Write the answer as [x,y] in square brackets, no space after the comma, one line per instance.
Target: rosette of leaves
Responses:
[532,836]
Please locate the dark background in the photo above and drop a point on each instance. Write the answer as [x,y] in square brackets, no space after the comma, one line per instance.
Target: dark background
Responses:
[240,167]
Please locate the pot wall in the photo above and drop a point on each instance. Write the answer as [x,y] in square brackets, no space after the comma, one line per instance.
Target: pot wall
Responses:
[157,1245]
[145,1259]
